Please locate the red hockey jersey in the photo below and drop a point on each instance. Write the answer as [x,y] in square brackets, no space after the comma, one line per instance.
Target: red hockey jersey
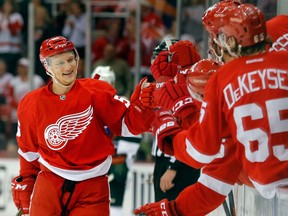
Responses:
[216,181]
[249,97]
[277,29]
[66,133]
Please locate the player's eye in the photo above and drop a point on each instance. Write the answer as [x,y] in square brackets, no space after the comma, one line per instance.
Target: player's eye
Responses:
[71,60]
[60,63]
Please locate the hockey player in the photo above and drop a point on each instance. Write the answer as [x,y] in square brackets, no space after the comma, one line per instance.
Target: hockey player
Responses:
[249,107]
[64,151]
[170,58]
[217,179]
[232,100]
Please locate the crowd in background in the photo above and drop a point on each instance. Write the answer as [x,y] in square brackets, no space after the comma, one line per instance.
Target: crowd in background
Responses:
[113,45]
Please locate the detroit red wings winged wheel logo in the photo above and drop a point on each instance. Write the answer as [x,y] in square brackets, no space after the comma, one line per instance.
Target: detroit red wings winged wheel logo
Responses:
[67,128]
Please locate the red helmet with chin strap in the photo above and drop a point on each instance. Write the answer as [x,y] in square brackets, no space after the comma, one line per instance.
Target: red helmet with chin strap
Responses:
[198,76]
[245,22]
[56,45]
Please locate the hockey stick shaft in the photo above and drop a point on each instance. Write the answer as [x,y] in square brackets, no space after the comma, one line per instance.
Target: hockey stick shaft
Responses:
[231,203]
[226,209]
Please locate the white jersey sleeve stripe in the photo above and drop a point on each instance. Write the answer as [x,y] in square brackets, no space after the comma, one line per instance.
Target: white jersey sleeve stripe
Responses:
[215,185]
[125,131]
[198,156]
[29,156]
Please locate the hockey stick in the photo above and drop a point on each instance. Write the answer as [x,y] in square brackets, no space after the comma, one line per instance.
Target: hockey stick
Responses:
[19,213]
[226,209]
[231,203]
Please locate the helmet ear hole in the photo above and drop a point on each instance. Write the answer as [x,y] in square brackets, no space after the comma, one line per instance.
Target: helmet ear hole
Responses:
[215,51]
[232,43]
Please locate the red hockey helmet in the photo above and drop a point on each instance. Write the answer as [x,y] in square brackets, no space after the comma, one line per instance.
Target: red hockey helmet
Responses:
[245,22]
[54,46]
[104,73]
[212,18]
[198,76]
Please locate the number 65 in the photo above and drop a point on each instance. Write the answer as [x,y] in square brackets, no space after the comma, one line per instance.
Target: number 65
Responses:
[276,125]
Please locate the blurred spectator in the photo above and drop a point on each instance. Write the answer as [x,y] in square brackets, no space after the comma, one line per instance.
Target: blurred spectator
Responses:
[42,31]
[62,13]
[75,30]
[111,36]
[98,8]
[11,23]
[5,79]
[171,33]
[81,70]
[153,28]
[121,69]
[128,48]
[75,26]
[192,19]
[185,36]
[269,7]
[19,87]
[102,22]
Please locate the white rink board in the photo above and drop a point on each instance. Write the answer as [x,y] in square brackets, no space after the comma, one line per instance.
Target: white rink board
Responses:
[247,200]
[144,183]
[9,168]
[139,190]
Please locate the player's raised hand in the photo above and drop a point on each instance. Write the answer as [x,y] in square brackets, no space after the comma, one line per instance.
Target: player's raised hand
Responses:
[142,97]
[187,53]
[165,66]
[163,207]
[146,94]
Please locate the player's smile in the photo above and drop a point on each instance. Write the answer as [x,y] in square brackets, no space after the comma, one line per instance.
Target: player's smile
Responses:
[68,74]
[64,67]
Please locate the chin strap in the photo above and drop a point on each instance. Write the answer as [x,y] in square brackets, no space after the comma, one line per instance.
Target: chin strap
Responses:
[222,43]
